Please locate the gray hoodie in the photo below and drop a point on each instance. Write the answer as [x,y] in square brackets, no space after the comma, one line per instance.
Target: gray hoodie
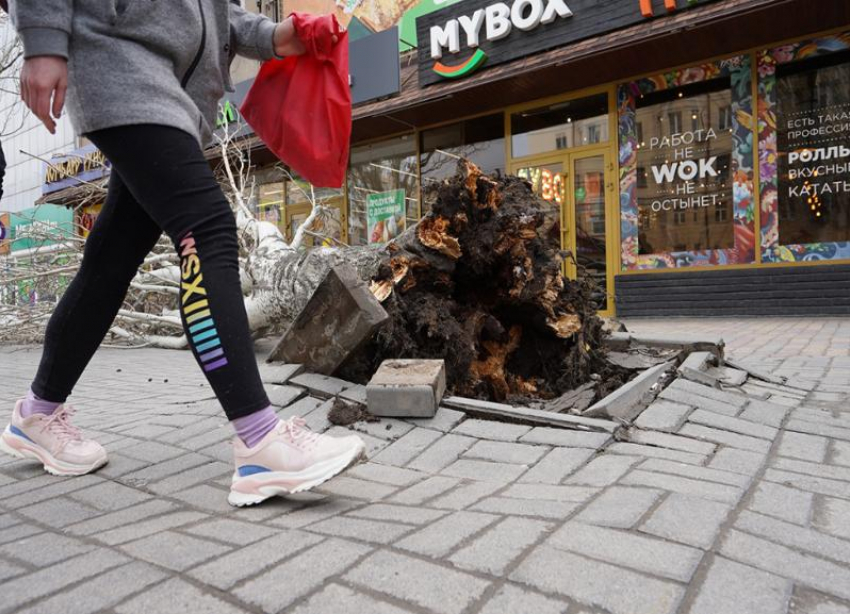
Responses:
[144,61]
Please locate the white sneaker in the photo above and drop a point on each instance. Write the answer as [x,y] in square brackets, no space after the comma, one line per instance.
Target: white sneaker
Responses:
[289,460]
[53,441]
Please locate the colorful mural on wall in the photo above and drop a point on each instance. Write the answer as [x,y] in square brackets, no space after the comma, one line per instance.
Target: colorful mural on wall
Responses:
[738,69]
[772,251]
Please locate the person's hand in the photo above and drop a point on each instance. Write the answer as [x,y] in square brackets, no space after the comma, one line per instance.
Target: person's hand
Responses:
[286,41]
[44,81]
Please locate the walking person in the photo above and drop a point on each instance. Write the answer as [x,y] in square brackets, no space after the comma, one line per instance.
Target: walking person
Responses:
[143,79]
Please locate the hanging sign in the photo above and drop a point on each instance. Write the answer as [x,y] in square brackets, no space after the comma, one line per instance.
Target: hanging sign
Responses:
[385,215]
[461,39]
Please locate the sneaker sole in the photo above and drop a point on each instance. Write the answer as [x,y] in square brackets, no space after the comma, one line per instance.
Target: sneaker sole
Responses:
[279,483]
[21,448]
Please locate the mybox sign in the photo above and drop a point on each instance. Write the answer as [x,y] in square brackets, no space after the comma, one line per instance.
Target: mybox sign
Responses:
[463,38]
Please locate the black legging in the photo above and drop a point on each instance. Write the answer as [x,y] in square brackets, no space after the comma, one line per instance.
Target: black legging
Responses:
[160,182]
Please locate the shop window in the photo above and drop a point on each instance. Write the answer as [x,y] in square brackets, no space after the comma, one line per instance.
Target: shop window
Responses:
[684,177]
[813,138]
[481,140]
[581,122]
[383,190]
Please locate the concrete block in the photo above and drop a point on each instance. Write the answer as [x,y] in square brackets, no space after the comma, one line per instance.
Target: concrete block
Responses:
[628,401]
[695,368]
[407,388]
[338,319]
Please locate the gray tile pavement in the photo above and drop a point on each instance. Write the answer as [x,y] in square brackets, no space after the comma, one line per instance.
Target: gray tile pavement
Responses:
[717,501]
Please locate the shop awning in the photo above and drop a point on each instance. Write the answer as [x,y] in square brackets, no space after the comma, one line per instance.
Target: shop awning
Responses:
[709,31]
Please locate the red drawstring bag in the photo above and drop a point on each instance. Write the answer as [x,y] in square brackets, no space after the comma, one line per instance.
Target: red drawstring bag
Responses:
[300,106]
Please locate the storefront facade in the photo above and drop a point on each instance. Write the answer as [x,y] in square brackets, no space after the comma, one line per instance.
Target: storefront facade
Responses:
[695,153]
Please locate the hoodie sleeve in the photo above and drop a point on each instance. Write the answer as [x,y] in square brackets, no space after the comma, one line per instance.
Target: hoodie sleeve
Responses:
[43,25]
[251,34]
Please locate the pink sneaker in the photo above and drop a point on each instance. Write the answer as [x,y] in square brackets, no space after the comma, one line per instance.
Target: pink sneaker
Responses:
[53,441]
[289,460]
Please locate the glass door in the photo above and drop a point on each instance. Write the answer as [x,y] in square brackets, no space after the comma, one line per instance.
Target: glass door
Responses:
[578,188]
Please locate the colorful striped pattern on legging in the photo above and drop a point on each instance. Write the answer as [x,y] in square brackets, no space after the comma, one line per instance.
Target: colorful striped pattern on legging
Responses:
[200,324]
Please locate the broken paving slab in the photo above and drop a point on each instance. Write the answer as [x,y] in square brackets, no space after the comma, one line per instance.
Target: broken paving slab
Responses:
[537,417]
[321,386]
[686,343]
[340,317]
[629,400]
[407,388]
[278,373]
[695,368]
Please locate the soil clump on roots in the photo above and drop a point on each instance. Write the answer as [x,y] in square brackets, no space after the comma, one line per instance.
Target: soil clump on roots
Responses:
[478,282]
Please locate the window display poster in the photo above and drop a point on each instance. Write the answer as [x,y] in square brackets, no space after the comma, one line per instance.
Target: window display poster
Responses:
[5,231]
[684,189]
[813,138]
[385,215]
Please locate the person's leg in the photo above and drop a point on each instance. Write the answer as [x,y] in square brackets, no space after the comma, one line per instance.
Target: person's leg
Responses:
[165,170]
[122,236]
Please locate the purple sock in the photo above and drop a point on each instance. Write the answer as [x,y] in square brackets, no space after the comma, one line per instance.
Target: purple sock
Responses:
[34,405]
[251,429]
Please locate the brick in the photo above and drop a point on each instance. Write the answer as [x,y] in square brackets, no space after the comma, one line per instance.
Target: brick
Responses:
[9,570]
[687,520]
[174,550]
[497,431]
[495,550]
[638,552]
[121,518]
[442,536]
[102,592]
[557,465]
[685,486]
[619,507]
[840,453]
[398,513]
[672,442]
[822,486]
[385,474]
[162,470]
[26,589]
[732,587]
[515,600]
[814,469]
[177,595]
[19,531]
[320,386]
[55,488]
[426,585]
[195,475]
[466,495]
[785,503]
[738,461]
[143,528]
[336,599]
[355,394]
[504,452]
[338,319]
[45,549]
[404,450]
[603,470]
[59,512]
[360,529]
[707,392]
[226,571]
[411,388]
[663,416]
[566,438]
[484,471]
[834,517]
[794,536]
[356,489]
[812,571]
[300,408]
[388,429]
[442,453]
[444,420]
[232,531]
[283,396]
[206,498]
[577,494]
[697,473]
[766,413]
[324,508]
[557,510]
[633,449]
[816,428]
[734,440]
[590,582]
[152,451]
[278,373]
[685,398]
[735,425]
[425,490]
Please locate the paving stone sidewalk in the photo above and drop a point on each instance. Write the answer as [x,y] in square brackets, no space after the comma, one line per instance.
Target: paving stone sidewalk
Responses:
[716,502]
